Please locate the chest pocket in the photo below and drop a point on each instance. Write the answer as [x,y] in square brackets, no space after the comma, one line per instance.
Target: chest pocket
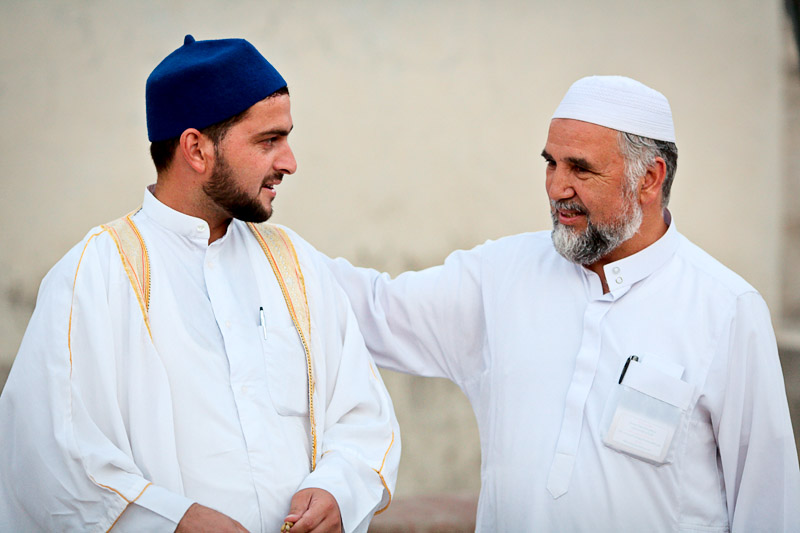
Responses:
[646,412]
[287,371]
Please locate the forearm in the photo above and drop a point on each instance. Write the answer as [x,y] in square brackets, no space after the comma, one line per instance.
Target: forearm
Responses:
[427,323]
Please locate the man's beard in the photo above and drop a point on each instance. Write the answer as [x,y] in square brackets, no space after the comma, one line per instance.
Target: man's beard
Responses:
[222,190]
[597,240]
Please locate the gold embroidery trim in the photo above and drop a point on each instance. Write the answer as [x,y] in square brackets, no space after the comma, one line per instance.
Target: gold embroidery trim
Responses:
[133,254]
[283,259]
[124,498]
[380,475]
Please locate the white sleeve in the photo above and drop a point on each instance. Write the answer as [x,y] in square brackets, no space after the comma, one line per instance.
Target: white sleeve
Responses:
[359,438]
[428,323]
[157,509]
[754,431]
[66,463]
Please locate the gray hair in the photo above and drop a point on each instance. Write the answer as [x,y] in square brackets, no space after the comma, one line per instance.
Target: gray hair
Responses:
[640,153]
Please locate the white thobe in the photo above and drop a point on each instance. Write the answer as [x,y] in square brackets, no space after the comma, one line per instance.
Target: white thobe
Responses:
[214,410]
[538,349]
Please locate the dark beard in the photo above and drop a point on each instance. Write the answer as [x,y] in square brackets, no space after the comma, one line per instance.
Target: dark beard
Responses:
[221,189]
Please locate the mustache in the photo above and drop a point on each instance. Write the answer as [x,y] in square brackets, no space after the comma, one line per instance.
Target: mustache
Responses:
[568,205]
[271,178]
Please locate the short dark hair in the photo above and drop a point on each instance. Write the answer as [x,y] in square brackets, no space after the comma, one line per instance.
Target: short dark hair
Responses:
[163,152]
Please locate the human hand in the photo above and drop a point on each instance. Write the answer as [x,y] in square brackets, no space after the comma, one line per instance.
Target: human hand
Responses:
[314,510]
[201,519]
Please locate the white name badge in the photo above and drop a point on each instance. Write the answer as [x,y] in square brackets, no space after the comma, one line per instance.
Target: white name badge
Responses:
[645,411]
[640,435]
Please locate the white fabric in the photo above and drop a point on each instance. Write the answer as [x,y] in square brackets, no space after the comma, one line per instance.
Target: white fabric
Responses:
[621,104]
[538,349]
[209,412]
[653,382]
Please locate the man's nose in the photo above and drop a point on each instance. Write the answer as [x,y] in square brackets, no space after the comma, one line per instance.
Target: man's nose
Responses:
[286,162]
[559,184]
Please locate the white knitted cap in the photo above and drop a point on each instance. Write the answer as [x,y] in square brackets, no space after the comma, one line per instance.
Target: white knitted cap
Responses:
[619,103]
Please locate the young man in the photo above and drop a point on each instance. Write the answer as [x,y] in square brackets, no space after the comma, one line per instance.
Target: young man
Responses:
[187,365]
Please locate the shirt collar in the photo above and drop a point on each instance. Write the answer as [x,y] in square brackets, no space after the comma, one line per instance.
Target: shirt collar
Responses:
[620,275]
[188,226]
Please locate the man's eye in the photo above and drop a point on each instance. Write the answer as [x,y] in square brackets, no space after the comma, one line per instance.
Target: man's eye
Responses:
[269,141]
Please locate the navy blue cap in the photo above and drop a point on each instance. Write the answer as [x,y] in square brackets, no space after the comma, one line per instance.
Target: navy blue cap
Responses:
[205,82]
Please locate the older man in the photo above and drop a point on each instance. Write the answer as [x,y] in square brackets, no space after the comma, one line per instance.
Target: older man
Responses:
[622,379]
[186,365]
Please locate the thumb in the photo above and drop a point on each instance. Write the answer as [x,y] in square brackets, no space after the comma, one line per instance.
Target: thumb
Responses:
[299,505]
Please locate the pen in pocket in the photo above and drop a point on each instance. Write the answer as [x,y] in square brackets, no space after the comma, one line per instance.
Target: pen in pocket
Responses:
[262,321]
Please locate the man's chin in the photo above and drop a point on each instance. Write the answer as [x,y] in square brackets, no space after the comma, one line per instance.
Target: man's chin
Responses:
[256,216]
[572,245]
[262,218]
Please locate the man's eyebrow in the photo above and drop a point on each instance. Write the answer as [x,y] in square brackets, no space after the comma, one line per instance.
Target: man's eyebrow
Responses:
[547,157]
[275,131]
[580,163]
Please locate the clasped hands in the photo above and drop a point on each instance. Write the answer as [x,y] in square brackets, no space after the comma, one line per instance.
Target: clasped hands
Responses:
[311,510]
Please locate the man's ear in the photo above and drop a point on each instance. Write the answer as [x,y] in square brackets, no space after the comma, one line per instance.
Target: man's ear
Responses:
[650,183]
[197,150]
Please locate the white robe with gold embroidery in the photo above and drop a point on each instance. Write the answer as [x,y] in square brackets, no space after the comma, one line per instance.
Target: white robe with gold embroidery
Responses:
[212,409]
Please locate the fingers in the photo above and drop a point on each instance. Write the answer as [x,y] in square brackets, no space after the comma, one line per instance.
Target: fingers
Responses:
[299,505]
[314,510]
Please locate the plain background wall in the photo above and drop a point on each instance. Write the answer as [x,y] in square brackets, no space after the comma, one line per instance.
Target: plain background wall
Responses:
[418,128]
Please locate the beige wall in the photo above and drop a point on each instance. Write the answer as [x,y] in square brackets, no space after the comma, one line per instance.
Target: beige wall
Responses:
[417,130]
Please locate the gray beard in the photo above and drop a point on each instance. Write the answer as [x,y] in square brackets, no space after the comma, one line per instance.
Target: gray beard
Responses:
[596,241]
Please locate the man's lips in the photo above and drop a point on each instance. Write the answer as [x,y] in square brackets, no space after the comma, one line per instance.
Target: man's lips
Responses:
[568,216]
[270,184]
[270,187]
[568,213]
